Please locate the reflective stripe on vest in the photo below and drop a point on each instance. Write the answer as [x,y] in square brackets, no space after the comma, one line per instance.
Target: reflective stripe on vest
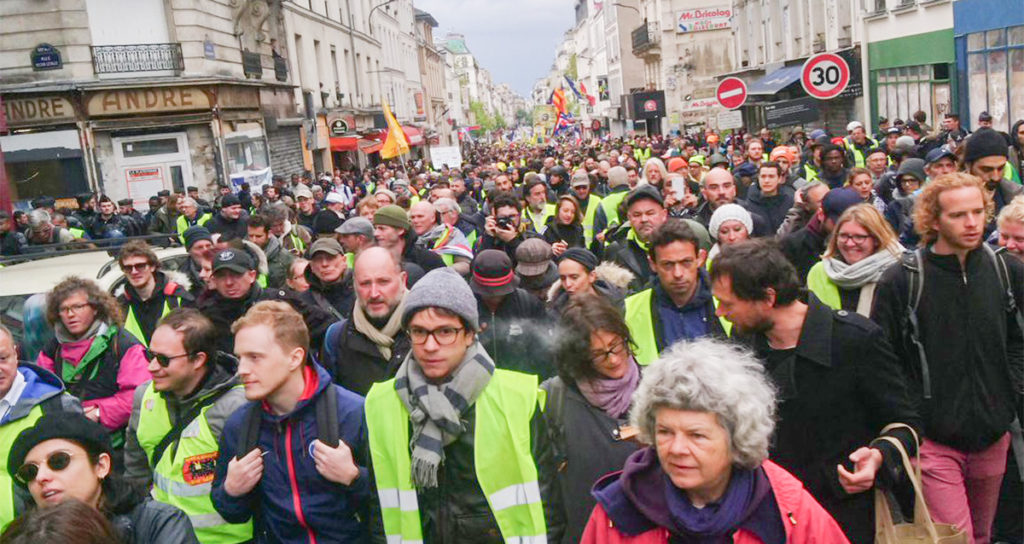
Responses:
[610,204]
[593,203]
[819,283]
[184,475]
[505,467]
[8,433]
[297,242]
[131,323]
[77,233]
[641,326]
[350,259]
[183,224]
[262,280]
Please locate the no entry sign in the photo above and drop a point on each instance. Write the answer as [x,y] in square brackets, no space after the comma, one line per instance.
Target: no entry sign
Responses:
[825,76]
[731,93]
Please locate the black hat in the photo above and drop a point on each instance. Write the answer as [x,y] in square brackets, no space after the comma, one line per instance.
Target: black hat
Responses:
[236,260]
[837,201]
[985,142]
[163,192]
[326,222]
[582,256]
[645,191]
[195,234]
[125,202]
[71,426]
[492,274]
[229,200]
[915,126]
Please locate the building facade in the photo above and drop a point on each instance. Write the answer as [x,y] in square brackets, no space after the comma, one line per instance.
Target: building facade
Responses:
[989,42]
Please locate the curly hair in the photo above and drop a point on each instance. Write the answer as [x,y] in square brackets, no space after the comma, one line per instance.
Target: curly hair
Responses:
[584,315]
[717,377]
[927,208]
[106,306]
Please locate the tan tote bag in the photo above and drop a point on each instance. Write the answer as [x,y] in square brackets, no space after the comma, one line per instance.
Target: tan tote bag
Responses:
[922,530]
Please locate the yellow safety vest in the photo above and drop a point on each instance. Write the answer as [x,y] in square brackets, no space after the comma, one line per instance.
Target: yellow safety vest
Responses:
[858,157]
[538,224]
[131,323]
[810,173]
[819,283]
[593,203]
[505,467]
[183,224]
[610,204]
[640,320]
[8,433]
[184,475]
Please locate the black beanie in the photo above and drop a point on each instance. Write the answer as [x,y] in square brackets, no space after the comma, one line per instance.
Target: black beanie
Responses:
[985,142]
[71,426]
[582,256]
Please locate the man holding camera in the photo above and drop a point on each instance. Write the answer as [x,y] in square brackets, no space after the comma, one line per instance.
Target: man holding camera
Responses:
[504,229]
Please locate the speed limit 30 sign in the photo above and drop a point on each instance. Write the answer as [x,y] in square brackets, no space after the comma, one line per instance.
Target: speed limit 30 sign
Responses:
[825,76]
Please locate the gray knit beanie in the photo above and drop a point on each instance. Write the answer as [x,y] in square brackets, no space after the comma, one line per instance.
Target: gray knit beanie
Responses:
[442,288]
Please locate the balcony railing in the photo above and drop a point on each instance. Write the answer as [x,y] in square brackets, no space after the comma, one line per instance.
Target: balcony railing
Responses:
[643,38]
[142,57]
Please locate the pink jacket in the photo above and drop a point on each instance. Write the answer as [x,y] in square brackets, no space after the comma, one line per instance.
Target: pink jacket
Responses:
[133,371]
[805,520]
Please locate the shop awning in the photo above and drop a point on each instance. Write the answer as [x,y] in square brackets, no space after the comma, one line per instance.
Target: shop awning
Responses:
[344,143]
[370,146]
[413,134]
[775,81]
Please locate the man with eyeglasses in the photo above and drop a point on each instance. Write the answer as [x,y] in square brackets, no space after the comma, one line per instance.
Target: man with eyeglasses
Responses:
[459,448]
[177,420]
[27,392]
[149,293]
[679,305]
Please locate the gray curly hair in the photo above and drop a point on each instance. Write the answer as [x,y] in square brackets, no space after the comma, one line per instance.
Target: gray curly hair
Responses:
[713,376]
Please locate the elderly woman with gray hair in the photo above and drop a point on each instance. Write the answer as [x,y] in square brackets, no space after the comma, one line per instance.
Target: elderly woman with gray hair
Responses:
[707,412]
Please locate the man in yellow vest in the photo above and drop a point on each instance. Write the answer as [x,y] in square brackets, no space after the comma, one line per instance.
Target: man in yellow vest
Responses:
[190,216]
[177,420]
[607,215]
[26,393]
[459,449]
[679,305]
[537,210]
[149,294]
[590,202]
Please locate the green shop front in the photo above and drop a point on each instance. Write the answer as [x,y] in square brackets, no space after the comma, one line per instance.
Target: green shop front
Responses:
[913,73]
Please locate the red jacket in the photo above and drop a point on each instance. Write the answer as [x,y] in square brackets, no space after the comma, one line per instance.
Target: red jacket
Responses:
[805,520]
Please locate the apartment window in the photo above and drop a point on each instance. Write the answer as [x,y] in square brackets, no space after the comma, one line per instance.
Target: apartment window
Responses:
[995,74]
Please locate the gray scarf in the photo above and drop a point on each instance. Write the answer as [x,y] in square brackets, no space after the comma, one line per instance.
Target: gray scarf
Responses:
[436,410]
[868,270]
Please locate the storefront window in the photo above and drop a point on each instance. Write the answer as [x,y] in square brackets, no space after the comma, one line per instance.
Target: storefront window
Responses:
[995,74]
[996,38]
[976,41]
[247,155]
[905,90]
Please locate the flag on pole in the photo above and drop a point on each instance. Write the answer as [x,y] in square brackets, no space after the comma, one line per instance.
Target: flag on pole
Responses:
[558,100]
[590,97]
[572,87]
[396,143]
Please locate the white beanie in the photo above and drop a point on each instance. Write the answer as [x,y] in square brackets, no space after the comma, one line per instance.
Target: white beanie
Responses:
[730,212]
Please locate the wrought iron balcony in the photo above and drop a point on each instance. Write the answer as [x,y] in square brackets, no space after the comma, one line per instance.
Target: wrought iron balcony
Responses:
[142,57]
[644,38]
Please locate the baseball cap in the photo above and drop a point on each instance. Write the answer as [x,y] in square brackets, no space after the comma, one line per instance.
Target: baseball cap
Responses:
[236,260]
[533,257]
[302,191]
[645,191]
[329,246]
[492,274]
[938,153]
[356,225]
[580,179]
[893,130]
[915,126]
[837,201]
[334,198]
[853,125]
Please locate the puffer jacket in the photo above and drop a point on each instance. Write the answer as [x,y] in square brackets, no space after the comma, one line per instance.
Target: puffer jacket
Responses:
[293,503]
[221,380]
[804,520]
[457,511]
[518,335]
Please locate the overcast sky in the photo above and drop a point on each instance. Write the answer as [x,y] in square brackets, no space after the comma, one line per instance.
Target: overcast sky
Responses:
[514,39]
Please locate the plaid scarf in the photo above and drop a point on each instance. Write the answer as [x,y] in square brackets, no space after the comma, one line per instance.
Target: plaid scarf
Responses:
[436,409]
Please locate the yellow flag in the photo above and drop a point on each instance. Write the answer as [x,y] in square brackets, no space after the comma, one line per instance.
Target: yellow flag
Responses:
[396,143]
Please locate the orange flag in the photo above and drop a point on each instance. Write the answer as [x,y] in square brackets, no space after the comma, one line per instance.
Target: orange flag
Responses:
[396,143]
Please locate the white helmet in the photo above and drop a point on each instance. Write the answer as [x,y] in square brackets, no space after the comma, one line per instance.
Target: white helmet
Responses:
[853,125]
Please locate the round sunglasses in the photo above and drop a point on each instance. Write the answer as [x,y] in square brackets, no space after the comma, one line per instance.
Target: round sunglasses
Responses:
[57,461]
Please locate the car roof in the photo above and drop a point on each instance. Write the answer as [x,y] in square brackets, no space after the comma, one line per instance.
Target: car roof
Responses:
[41,275]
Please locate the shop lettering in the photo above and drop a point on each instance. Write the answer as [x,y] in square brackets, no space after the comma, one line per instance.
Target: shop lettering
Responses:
[705,13]
[148,100]
[23,111]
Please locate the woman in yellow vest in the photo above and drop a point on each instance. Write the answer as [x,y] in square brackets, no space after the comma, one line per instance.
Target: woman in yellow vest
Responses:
[459,449]
[861,248]
[68,457]
[587,407]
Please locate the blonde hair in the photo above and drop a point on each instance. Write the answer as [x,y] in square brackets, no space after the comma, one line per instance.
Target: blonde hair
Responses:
[289,329]
[927,208]
[1012,212]
[872,220]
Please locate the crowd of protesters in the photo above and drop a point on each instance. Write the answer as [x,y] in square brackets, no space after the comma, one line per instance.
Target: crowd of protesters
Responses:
[651,339]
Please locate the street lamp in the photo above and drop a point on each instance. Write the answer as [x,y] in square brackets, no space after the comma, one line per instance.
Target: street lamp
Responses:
[628,7]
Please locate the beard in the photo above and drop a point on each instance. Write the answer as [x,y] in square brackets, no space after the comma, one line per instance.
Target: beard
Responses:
[761,326]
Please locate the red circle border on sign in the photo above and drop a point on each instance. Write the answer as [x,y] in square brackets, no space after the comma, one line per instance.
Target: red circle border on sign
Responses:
[844,75]
[718,89]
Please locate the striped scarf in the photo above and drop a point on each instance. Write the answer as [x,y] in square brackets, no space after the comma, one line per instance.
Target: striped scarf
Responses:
[436,410]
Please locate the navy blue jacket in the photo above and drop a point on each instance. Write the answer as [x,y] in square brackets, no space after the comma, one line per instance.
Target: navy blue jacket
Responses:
[293,503]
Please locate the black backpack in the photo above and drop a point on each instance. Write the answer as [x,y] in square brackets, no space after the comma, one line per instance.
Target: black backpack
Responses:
[912,262]
[326,406]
